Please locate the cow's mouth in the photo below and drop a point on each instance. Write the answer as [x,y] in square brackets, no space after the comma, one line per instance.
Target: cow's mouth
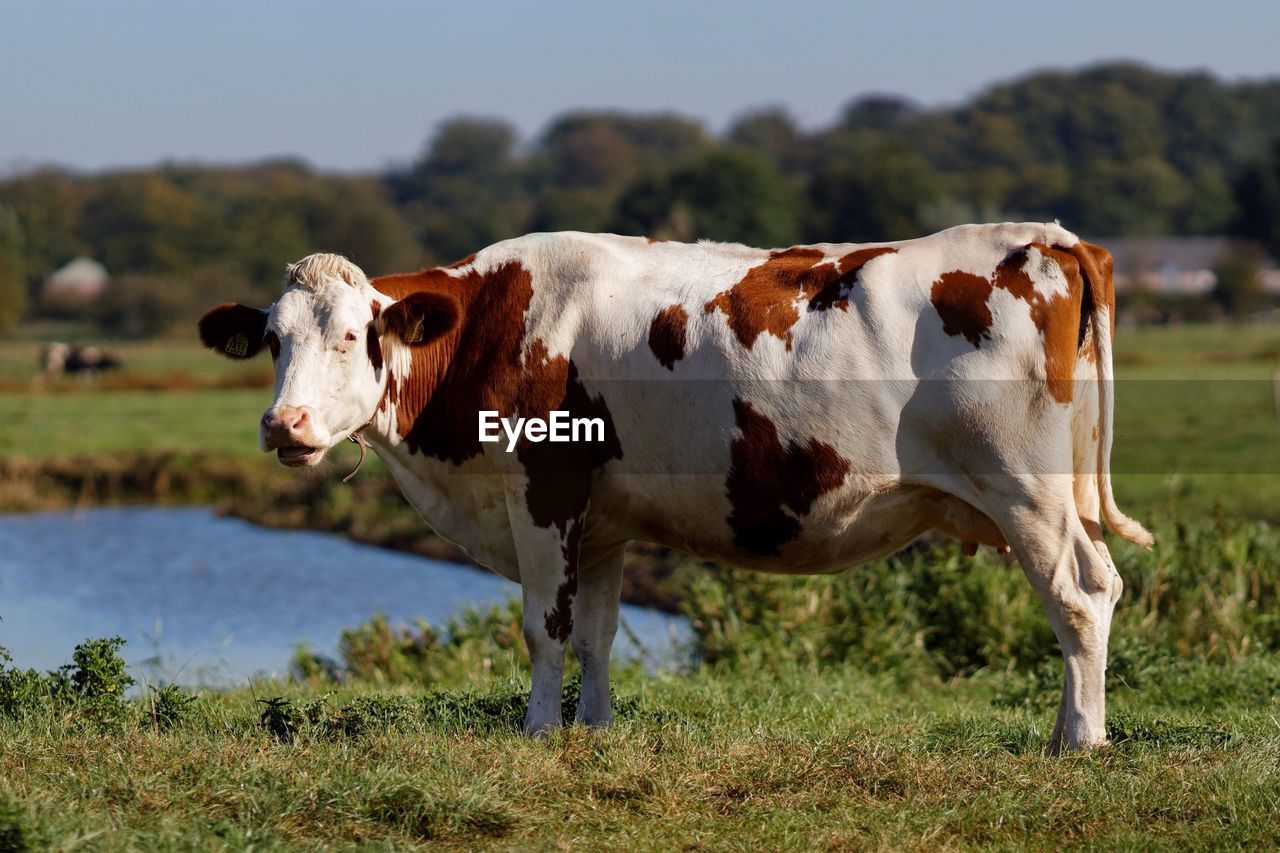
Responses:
[298,455]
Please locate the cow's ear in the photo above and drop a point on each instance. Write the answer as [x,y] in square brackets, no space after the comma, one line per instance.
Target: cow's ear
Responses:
[420,318]
[233,330]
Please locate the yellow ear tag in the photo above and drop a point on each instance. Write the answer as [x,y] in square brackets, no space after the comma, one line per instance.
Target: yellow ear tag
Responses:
[415,334]
[238,344]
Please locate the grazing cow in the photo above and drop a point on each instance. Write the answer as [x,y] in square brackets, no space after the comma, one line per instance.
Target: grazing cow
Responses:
[58,358]
[799,410]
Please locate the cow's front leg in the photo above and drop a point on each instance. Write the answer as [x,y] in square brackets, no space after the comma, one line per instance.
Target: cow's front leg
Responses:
[595,622]
[548,558]
[545,639]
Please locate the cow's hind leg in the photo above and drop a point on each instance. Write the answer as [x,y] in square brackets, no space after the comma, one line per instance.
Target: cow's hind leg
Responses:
[1079,587]
[595,622]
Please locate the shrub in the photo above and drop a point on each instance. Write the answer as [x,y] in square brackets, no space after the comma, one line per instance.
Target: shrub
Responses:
[475,643]
[170,706]
[21,690]
[281,718]
[928,610]
[1207,591]
[95,681]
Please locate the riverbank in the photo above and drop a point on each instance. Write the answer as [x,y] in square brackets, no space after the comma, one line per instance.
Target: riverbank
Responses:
[369,510]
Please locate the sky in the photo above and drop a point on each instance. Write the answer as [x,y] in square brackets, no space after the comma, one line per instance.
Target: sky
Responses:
[357,86]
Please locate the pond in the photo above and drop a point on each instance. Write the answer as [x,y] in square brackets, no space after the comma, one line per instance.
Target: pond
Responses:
[203,599]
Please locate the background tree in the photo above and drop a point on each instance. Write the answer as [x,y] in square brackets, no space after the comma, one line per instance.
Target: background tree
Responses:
[873,193]
[465,191]
[771,133]
[584,160]
[13,282]
[1258,199]
[727,194]
[1238,289]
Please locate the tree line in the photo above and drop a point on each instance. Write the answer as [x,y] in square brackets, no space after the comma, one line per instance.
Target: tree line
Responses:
[1115,149]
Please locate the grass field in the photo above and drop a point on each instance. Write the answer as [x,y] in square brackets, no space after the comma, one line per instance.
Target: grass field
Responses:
[903,705]
[802,759]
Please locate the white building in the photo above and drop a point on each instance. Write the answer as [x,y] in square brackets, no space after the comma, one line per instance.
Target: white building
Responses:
[82,279]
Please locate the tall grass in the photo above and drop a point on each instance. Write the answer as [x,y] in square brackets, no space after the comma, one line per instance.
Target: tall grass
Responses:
[801,759]
[1209,590]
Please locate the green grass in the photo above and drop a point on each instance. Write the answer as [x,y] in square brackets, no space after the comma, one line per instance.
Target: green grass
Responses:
[837,759]
[56,426]
[19,357]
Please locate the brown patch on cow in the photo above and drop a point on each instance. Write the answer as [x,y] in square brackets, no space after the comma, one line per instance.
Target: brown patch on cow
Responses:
[560,474]
[482,363]
[960,298]
[770,486]
[1057,317]
[652,240]
[962,302]
[559,619]
[462,262]
[835,292]
[764,300]
[667,335]
[477,365]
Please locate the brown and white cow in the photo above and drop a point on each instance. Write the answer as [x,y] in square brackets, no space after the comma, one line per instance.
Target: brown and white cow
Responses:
[798,410]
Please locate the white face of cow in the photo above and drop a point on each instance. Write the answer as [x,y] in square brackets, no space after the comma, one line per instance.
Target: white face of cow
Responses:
[327,383]
[328,360]
[325,334]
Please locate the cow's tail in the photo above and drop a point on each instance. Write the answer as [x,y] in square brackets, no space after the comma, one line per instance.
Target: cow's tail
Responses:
[1095,263]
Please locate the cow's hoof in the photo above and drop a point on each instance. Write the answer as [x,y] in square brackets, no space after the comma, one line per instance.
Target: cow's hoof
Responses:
[1058,747]
[539,730]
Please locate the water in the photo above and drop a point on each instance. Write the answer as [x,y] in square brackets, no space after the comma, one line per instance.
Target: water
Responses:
[222,600]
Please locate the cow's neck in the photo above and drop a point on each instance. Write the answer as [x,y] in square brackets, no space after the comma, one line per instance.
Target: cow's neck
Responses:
[415,373]
[467,510]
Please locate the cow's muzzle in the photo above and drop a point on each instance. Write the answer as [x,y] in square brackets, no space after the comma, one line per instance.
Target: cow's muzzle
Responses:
[287,430]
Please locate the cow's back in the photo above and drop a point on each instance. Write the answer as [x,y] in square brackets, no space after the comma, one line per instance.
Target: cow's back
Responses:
[759,396]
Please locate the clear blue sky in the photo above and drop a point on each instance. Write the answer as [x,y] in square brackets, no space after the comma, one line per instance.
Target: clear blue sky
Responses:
[357,85]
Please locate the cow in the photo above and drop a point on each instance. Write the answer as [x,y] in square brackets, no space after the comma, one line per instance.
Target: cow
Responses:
[89,361]
[798,410]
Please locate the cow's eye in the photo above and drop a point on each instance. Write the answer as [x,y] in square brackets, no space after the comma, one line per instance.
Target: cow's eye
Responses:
[347,342]
[351,336]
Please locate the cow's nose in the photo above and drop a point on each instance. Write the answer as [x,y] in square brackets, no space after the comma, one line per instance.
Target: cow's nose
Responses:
[285,426]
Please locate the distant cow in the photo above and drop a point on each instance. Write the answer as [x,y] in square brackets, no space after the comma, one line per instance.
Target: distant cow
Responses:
[798,410]
[58,358]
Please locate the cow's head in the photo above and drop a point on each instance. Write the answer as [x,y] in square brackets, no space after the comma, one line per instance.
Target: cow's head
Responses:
[326,335]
